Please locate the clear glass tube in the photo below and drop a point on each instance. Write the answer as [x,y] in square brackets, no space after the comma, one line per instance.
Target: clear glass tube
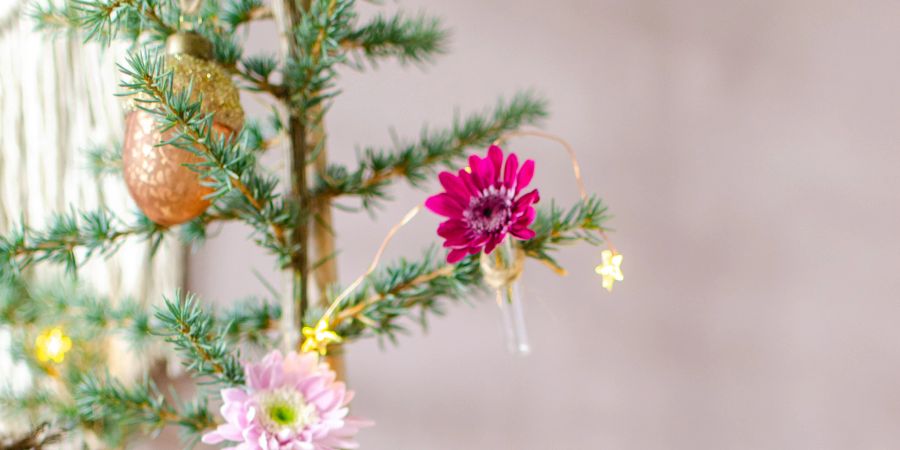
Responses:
[513,312]
[502,270]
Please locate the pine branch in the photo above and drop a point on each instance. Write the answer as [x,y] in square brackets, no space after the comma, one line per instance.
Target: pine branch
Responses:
[105,160]
[409,39]
[241,12]
[415,162]
[555,227]
[225,48]
[104,20]
[100,398]
[94,232]
[51,17]
[226,166]
[257,70]
[403,290]
[310,71]
[33,405]
[250,321]
[84,315]
[38,438]
[206,351]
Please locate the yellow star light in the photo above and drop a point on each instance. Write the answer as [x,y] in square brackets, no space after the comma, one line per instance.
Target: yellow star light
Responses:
[318,338]
[610,269]
[52,345]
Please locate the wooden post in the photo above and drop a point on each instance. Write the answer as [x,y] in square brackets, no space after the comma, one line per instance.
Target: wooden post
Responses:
[303,139]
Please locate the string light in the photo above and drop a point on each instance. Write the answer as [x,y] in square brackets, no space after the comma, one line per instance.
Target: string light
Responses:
[317,339]
[610,269]
[52,345]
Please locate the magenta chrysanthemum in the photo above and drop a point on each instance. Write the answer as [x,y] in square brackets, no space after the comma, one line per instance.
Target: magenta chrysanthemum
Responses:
[290,403]
[484,205]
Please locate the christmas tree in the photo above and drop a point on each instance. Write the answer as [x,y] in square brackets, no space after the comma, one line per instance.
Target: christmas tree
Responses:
[190,160]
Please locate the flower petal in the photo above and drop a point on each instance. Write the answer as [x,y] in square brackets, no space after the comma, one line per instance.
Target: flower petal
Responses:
[475,171]
[495,154]
[483,173]
[444,205]
[213,437]
[526,218]
[452,228]
[524,234]
[525,175]
[458,241]
[454,186]
[512,167]
[526,201]
[456,256]
[467,180]
[493,242]
[234,395]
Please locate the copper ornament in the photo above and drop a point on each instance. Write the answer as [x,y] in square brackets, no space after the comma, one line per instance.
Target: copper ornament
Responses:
[166,190]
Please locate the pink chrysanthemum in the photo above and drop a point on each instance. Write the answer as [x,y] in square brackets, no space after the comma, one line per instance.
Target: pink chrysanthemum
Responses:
[289,403]
[484,205]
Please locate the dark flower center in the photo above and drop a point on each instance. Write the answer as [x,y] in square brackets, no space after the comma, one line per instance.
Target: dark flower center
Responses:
[490,212]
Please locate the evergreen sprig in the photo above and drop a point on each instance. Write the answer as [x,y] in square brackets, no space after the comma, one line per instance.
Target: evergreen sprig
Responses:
[39,437]
[256,71]
[33,404]
[416,161]
[94,232]
[101,397]
[415,39]
[66,302]
[225,48]
[239,12]
[555,226]
[103,160]
[310,72]
[251,321]
[205,349]
[105,20]
[54,18]
[405,289]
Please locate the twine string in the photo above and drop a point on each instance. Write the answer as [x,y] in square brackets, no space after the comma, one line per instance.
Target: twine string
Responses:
[374,265]
[497,272]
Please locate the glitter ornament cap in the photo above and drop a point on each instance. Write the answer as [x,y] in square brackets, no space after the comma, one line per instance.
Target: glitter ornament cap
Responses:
[189,57]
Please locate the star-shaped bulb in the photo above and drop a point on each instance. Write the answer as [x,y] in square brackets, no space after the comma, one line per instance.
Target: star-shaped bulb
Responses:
[610,269]
[317,339]
[52,345]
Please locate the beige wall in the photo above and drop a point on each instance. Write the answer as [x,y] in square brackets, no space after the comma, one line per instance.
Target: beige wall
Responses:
[748,150]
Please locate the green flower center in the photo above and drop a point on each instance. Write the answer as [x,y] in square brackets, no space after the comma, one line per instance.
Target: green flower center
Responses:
[282,414]
[285,409]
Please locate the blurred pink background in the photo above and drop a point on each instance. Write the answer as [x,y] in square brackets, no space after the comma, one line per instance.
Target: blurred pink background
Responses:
[748,150]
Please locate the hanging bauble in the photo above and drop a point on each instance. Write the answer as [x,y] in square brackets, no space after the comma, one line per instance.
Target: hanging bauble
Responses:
[166,190]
